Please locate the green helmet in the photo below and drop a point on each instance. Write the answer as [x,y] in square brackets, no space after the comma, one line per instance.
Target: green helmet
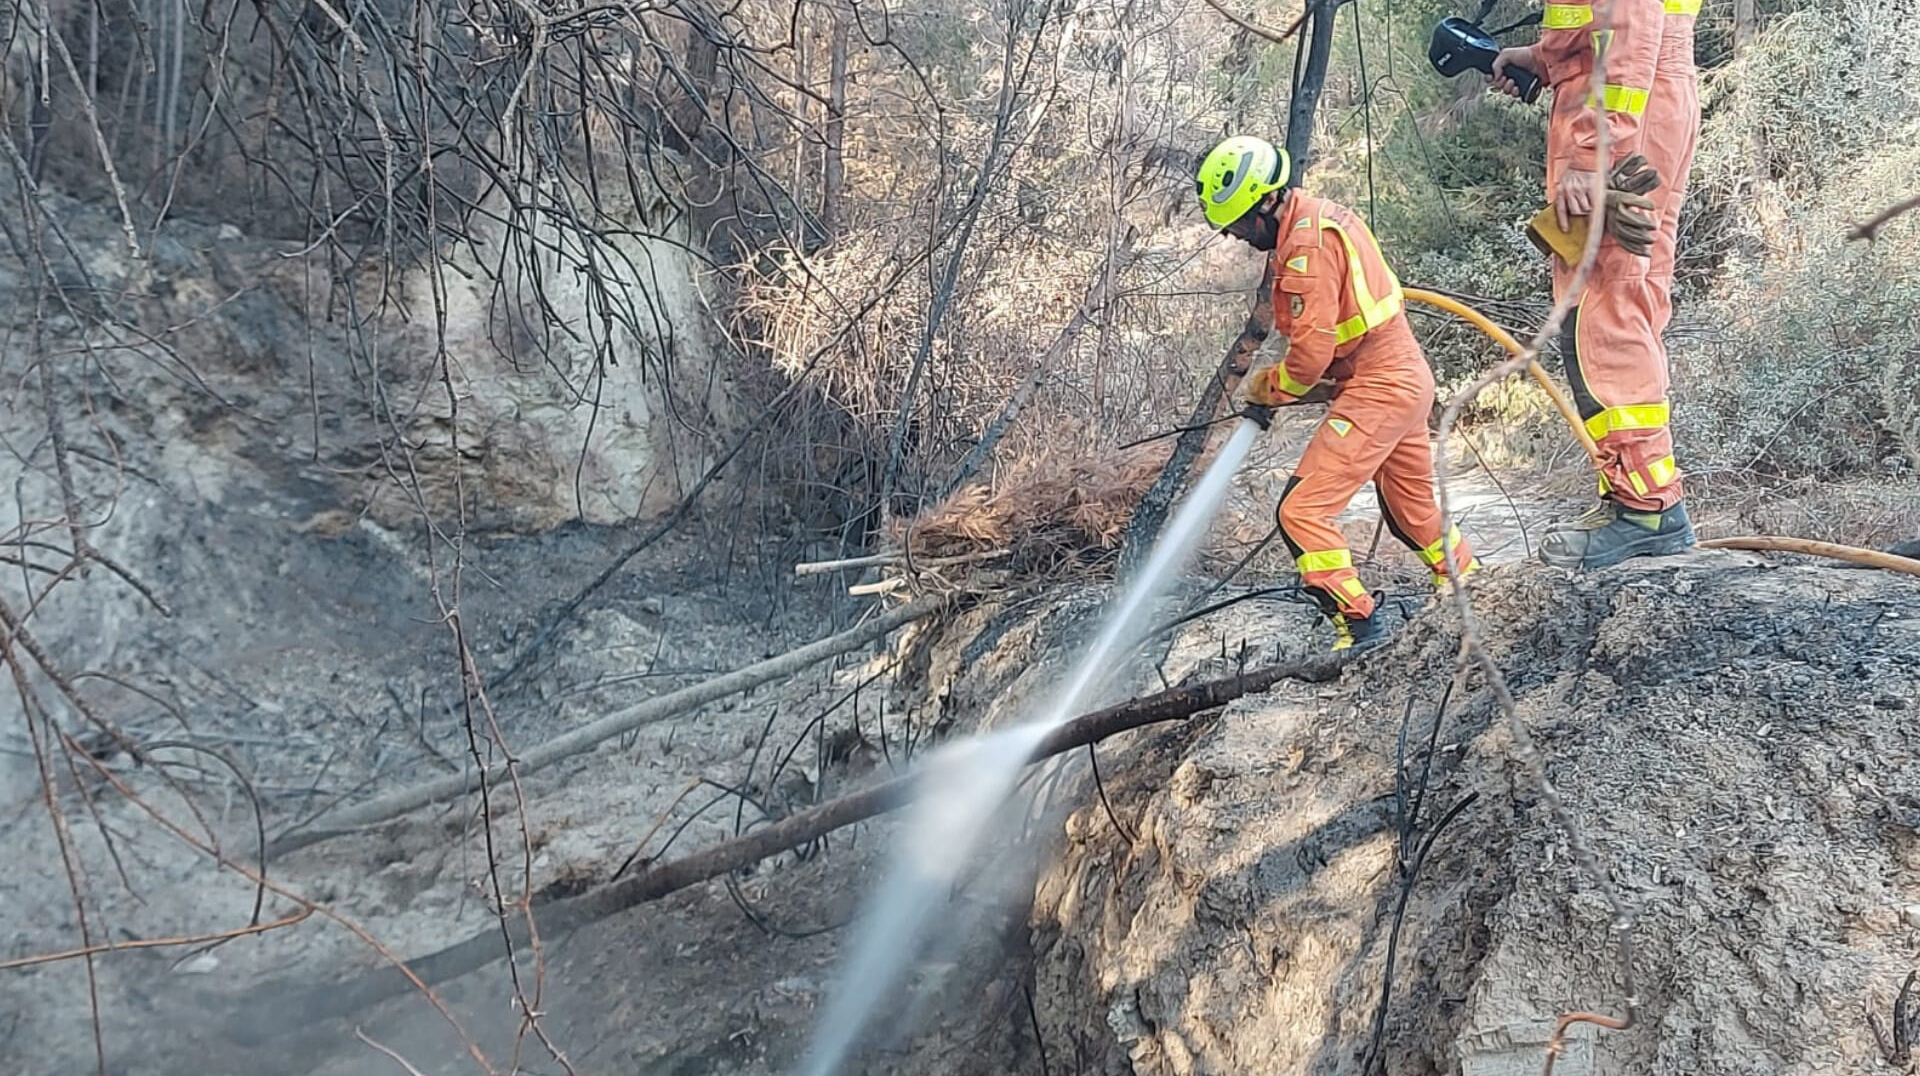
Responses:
[1237,174]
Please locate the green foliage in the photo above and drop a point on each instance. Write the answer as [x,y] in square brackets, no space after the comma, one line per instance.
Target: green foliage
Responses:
[1453,170]
[1812,129]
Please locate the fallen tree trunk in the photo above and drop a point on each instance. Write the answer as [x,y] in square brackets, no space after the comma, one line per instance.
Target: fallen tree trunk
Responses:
[563,916]
[660,708]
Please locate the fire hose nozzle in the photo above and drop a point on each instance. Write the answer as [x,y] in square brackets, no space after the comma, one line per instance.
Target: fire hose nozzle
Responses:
[1259,414]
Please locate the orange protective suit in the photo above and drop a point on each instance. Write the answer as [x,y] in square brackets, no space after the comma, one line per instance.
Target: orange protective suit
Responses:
[1673,112]
[1339,305]
[1616,363]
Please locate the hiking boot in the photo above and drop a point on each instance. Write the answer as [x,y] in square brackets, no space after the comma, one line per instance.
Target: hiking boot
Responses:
[1602,512]
[1630,533]
[1359,633]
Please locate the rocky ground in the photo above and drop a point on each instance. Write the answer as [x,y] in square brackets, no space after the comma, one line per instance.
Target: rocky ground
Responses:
[1737,740]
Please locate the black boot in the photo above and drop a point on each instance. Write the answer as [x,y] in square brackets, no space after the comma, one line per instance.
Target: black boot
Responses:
[1357,633]
[1630,533]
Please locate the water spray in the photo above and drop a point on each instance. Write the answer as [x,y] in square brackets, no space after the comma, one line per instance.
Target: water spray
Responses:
[966,783]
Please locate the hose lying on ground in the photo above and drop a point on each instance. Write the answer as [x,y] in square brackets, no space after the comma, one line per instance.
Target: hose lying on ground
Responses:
[1866,558]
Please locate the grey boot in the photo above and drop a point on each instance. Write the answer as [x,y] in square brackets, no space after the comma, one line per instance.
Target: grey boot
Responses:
[1599,514]
[1630,533]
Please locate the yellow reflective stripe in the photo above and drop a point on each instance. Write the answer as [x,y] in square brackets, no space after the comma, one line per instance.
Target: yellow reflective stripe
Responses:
[1639,484]
[1288,384]
[1353,587]
[1683,7]
[1651,416]
[1629,99]
[1662,471]
[1373,312]
[1433,553]
[1566,16]
[1327,560]
[1440,578]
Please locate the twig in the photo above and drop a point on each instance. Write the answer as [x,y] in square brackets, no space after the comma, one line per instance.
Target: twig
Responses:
[1125,831]
[1869,230]
[1473,649]
[392,1054]
[1868,558]
[650,711]
[1278,38]
[297,917]
[823,567]
[641,844]
[408,979]
[1556,1045]
[1376,1059]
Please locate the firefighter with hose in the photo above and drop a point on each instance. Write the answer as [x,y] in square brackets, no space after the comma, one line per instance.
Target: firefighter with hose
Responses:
[1331,294]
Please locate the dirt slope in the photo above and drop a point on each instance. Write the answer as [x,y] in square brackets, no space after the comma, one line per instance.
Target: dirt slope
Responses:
[1738,739]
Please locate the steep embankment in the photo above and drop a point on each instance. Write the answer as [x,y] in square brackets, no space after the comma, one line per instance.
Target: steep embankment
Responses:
[1738,740]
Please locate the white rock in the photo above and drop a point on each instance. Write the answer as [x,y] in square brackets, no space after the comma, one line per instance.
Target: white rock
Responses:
[199,964]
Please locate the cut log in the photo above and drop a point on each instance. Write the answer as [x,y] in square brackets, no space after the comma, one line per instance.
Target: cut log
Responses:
[563,916]
[659,708]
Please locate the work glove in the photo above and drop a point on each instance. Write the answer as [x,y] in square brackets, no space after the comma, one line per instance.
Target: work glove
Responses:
[1630,216]
[1262,389]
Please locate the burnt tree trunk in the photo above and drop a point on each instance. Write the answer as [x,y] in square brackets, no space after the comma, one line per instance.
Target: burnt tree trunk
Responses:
[1310,77]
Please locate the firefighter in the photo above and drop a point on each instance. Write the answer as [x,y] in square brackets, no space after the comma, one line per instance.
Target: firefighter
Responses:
[1611,342]
[1334,298]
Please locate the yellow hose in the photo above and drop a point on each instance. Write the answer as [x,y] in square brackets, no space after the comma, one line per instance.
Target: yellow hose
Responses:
[1504,339]
[1869,558]
[1866,558]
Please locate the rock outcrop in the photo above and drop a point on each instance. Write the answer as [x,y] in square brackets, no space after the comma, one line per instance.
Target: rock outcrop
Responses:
[234,370]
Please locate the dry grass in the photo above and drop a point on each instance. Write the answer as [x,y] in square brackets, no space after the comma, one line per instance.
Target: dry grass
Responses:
[1047,510]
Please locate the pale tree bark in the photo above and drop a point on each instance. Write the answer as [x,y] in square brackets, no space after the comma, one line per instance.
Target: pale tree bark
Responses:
[1745,24]
[833,176]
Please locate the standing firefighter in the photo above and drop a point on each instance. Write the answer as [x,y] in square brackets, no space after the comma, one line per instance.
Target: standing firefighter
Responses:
[1615,360]
[1338,304]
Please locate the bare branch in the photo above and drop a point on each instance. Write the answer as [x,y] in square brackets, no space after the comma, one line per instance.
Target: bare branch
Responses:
[1278,37]
[1869,230]
[566,915]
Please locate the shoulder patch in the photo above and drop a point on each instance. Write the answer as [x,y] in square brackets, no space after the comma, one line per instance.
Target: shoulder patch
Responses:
[1297,263]
[1339,426]
[1296,304]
